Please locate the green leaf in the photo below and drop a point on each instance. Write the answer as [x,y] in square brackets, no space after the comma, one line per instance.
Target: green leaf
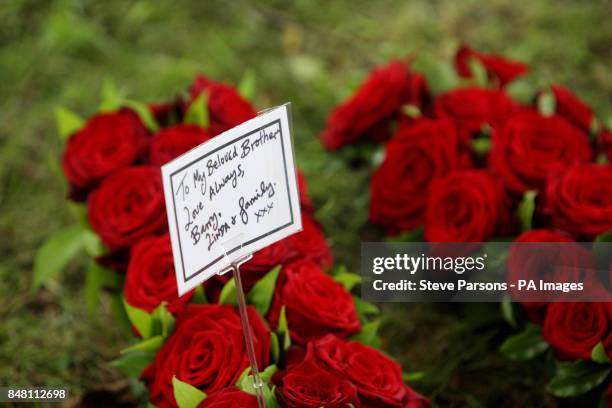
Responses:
[246,87]
[96,278]
[365,310]
[275,348]
[117,308]
[268,372]
[199,296]
[412,377]
[507,310]
[151,344]
[525,345]
[262,293]
[197,113]
[547,103]
[142,320]
[56,252]
[412,111]
[604,237]
[346,279]
[165,318]
[92,243]
[111,98]
[368,334]
[228,294]
[481,145]
[478,71]
[525,210]
[246,382]
[144,113]
[409,236]
[68,122]
[186,395]
[283,329]
[577,377]
[599,355]
[132,364]
[271,401]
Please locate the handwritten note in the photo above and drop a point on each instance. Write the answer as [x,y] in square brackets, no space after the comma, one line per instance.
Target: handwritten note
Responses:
[231,196]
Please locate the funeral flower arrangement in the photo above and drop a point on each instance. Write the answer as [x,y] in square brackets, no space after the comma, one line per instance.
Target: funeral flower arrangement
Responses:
[315,342]
[473,154]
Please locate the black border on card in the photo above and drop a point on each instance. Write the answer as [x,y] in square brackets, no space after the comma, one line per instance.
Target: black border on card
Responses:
[178,235]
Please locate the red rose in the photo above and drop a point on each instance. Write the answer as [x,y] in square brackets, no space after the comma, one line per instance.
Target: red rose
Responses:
[573,329]
[471,108]
[555,259]
[415,156]
[528,147]
[571,108]
[498,68]
[536,311]
[377,378]
[310,243]
[128,206]
[226,108]
[206,350]
[465,206]
[308,385]
[150,277]
[107,142]
[579,200]
[230,397]
[315,303]
[368,112]
[171,142]
[305,201]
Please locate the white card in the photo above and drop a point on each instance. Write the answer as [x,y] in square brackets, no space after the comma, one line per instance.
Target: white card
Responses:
[232,195]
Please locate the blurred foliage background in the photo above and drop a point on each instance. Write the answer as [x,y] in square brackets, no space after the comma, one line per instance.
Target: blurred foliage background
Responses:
[310,53]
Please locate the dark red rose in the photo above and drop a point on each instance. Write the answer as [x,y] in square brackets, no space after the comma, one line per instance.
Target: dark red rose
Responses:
[169,113]
[471,108]
[315,303]
[416,155]
[127,206]
[169,143]
[549,256]
[206,350]
[150,278]
[378,100]
[308,385]
[226,108]
[572,108]
[579,200]
[465,206]
[604,142]
[498,68]
[230,397]
[528,147]
[378,379]
[574,328]
[310,243]
[108,142]
[536,311]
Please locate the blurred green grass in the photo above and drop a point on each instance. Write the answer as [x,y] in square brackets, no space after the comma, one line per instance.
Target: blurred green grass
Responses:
[310,53]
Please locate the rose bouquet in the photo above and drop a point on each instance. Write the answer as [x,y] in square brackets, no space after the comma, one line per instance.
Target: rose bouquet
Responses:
[472,154]
[315,342]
